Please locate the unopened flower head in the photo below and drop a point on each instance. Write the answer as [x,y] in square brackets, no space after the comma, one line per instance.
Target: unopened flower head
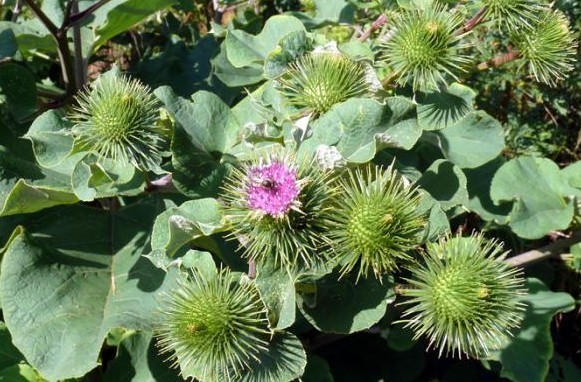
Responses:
[425,49]
[376,222]
[464,298]
[278,210]
[548,49]
[317,81]
[214,326]
[116,118]
[513,14]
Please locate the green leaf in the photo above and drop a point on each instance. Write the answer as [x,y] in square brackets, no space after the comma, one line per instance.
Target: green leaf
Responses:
[334,11]
[440,109]
[414,4]
[18,88]
[184,69]
[291,46]
[438,224]
[177,226]
[26,197]
[205,131]
[76,274]
[572,175]
[122,15]
[51,142]
[7,42]
[359,127]
[277,290]
[138,359]
[244,49]
[235,77]
[94,178]
[20,373]
[9,355]
[526,357]
[473,140]
[31,37]
[343,306]
[328,12]
[563,370]
[537,187]
[54,10]
[479,180]
[24,186]
[284,361]
[201,262]
[446,183]
[317,370]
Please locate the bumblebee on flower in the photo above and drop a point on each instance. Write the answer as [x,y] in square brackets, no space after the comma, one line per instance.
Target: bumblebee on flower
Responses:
[277,207]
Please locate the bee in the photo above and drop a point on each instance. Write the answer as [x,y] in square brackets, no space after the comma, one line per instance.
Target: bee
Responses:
[268,183]
[260,181]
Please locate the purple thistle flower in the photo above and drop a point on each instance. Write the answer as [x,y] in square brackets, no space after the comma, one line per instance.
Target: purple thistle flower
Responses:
[272,189]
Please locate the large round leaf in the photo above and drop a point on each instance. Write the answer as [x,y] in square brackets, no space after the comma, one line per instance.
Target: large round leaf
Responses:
[446,184]
[26,187]
[244,49]
[50,141]
[473,140]
[138,359]
[440,109]
[284,361]
[538,189]
[75,275]
[346,306]
[206,129]
[359,127]
[17,90]
[525,358]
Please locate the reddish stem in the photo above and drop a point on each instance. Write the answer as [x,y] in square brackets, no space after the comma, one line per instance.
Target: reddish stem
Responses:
[499,60]
[470,24]
[378,23]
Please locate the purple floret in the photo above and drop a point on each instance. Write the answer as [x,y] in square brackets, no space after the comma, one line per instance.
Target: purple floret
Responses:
[272,189]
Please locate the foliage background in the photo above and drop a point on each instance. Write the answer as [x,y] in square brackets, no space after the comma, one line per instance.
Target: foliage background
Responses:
[83,256]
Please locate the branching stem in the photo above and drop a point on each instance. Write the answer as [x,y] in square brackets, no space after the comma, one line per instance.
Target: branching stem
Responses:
[80,16]
[546,252]
[470,24]
[378,23]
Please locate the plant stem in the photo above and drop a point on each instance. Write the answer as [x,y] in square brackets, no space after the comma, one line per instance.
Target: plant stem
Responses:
[546,252]
[63,51]
[80,67]
[77,17]
[16,11]
[378,23]
[499,60]
[251,269]
[470,24]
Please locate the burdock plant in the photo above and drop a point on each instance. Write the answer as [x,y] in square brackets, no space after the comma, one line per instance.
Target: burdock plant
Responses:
[278,210]
[464,297]
[213,326]
[376,222]
[425,49]
[116,118]
[317,81]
